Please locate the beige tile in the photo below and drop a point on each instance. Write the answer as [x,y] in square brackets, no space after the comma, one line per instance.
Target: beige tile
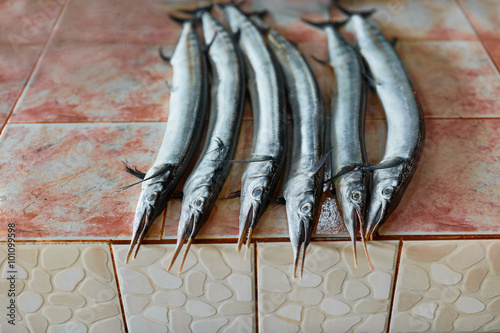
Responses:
[62,288]
[214,292]
[333,295]
[448,286]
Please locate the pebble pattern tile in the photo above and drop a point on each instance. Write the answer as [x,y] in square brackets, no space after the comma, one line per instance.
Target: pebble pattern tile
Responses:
[214,293]
[333,295]
[448,286]
[62,288]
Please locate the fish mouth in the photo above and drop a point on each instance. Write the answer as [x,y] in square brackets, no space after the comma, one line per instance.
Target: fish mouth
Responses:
[142,222]
[376,215]
[248,220]
[300,236]
[186,232]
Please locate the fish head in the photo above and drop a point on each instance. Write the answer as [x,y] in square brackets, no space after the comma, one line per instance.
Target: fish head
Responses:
[195,205]
[387,189]
[302,207]
[258,184]
[153,199]
[352,195]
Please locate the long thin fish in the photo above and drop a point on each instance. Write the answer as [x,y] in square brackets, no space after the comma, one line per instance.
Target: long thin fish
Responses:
[227,99]
[185,120]
[304,183]
[262,174]
[347,129]
[405,121]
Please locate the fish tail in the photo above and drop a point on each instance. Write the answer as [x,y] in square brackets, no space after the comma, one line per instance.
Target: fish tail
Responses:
[257,13]
[198,11]
[362,13]
[181,21]
[325,24]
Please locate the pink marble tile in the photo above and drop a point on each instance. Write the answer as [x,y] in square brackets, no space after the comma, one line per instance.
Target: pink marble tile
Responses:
[77,82]
[485,16]
[493,49]
[453,79]
[455,189]
[15,68]
[27,21]
[117,21]
[405,19]
[63,180]
[223,221]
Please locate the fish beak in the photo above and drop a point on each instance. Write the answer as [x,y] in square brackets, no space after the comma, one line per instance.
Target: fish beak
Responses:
[248,220]
[376,213]
[300,235]
[142,222]
[188,227]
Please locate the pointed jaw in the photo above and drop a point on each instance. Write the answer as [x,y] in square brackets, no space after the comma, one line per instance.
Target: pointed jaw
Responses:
[376,213]
[248,220]
[142,222]
[300,235]
[187,230]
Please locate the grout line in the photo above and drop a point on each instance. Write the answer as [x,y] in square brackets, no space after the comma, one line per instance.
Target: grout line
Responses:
[464,11]
[256,276]
[33,70]
[396,271]
[118,285]
[248,119]
[233,240]
[163,222]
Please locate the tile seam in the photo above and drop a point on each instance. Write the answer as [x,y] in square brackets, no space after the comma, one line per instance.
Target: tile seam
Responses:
[464,11]
[256,276]
[248,119]
[396,273]
[33,70]
[122,305]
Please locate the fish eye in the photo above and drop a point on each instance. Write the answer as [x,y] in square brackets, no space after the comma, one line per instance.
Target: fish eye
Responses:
[356,196]
[199,202]
[306,208]
[257,192]
[388,190]
[153,196]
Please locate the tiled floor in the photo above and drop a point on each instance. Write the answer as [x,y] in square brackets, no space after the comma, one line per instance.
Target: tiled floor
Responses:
[82,90]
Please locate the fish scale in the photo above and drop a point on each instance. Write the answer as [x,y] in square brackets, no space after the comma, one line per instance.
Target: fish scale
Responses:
[227,100]
[182,134]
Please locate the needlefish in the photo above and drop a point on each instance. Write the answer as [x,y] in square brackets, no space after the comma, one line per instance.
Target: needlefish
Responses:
[227,100]
[404,116]
[347,129]
[303,185]
[262,173]
[188,105]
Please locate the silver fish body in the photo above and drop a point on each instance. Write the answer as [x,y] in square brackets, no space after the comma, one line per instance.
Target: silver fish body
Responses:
[347,130]
[405,122]
[303,185]
[262,174]
[227,99]
[182,134]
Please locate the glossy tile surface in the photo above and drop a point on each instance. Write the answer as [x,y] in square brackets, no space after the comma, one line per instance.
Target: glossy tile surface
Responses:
[333,295]
[27,21]
[455,188]
[214,292]
[78,83]
[485,16]
[114,21]
[448,286]
[452,79]
[62,288]
[405,19]
[64,179]
[15,67]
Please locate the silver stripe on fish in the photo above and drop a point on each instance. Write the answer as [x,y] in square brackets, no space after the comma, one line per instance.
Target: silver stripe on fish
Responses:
[182,134]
